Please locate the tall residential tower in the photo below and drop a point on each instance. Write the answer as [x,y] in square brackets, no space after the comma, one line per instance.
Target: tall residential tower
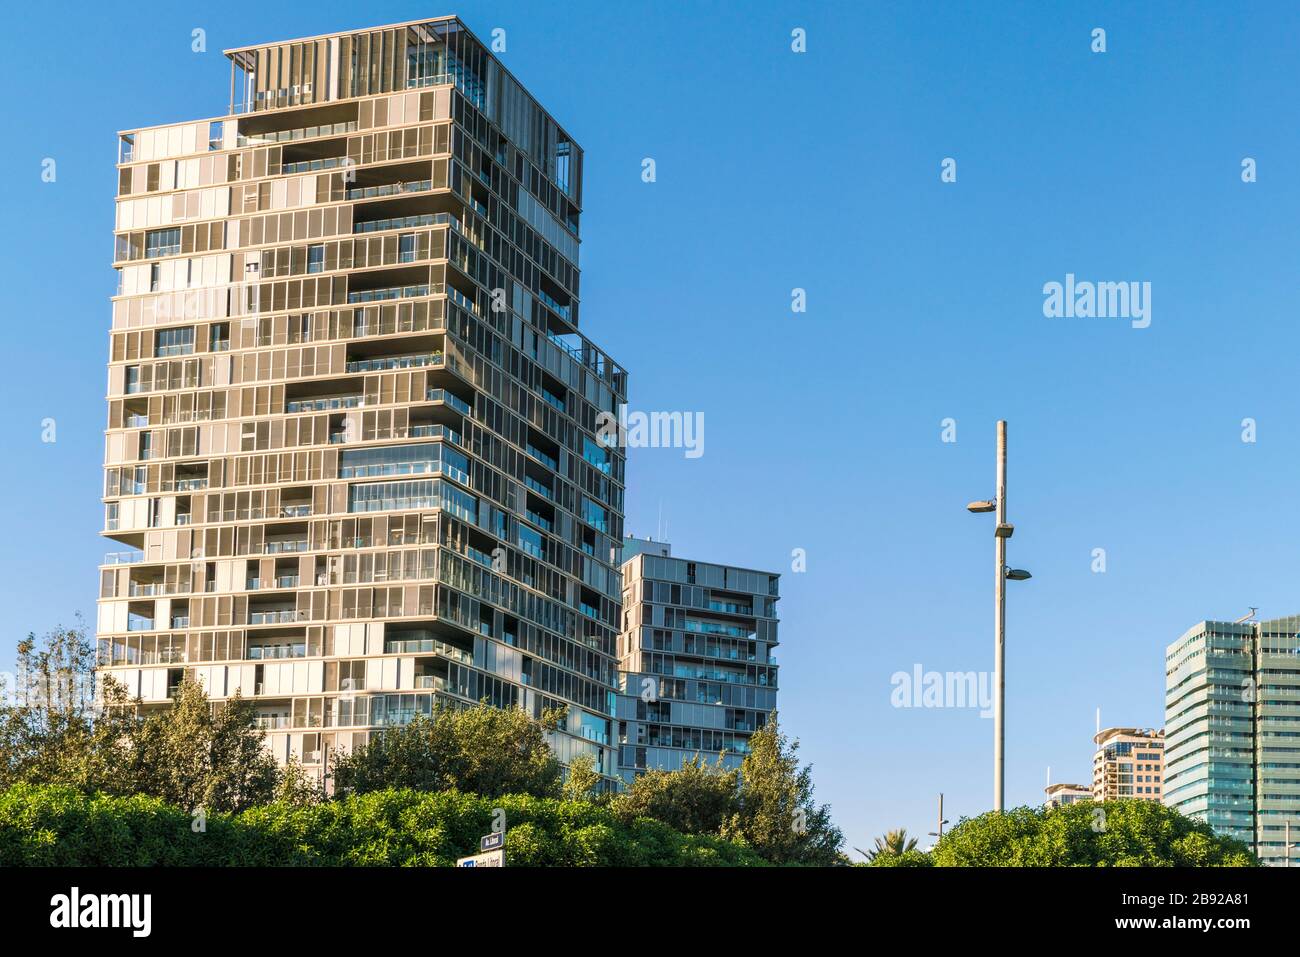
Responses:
[351,459]
[697,659]
[1232,721]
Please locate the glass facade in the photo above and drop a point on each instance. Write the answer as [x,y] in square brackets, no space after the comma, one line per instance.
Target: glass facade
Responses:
[1232,714]
[349,401]
[697,660]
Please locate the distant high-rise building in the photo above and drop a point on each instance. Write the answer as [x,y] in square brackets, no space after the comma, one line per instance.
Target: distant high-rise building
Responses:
[351,448]
[696,659]
[1128,763]
[1059,795]
[1232,717]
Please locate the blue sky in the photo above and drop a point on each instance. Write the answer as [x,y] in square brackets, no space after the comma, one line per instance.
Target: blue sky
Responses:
[820,170]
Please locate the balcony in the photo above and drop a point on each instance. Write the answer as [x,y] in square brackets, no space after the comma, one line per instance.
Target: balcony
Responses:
[277,617]
[276,652]
[389,189]
[390,292]
[541,456]
[433,431]
[313,166]
[427,646]
[327,404]
[450,398]
[276,548]
[394,362]
[291,136]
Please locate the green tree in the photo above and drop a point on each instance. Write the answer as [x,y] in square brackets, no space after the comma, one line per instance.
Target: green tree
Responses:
[1089,834]
[46,714]
[55,729]
[195,756]
[895,843]
[909,858]
[698,799]
[583,779]
[481,750]
[777,816]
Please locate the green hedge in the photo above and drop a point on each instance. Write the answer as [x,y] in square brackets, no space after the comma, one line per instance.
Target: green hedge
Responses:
[60,826]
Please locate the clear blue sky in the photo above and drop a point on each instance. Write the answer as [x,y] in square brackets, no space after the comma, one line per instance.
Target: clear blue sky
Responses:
[821,170]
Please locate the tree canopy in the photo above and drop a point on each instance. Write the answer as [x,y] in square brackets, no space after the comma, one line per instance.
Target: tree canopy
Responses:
[1089,834]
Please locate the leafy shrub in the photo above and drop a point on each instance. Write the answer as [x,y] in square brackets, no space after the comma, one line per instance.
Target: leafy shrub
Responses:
[61,826]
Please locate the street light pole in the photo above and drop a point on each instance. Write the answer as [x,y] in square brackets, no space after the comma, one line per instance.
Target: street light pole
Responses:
[1000,621]
[1001,572]
[939,834]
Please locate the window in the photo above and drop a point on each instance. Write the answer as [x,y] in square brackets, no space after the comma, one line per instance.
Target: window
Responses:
[594,515]
[530,541]
[596,454]
[216,135]
[155,276]
[406,247]
[404,460]
[132,379]
[162,242]
[219,337]
[316,258]
[174,342]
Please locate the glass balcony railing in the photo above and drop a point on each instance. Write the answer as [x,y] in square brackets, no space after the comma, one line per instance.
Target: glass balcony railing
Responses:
[460,299]
[292,136]
[565,311]
[433,431]
[390,189]
[538,487]
[326,404]
[311,166]
[274,617]
[394,362]
[450,398]
[271,652]
[427,646]
[391,292]
[537,453]
[273,548]
[413,221]
[123,558]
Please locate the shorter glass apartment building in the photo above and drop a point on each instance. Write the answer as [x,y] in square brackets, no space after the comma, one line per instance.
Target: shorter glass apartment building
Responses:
[1232,725]
[696,664]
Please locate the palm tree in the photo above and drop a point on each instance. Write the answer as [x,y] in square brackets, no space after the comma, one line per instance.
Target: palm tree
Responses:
[892,844]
